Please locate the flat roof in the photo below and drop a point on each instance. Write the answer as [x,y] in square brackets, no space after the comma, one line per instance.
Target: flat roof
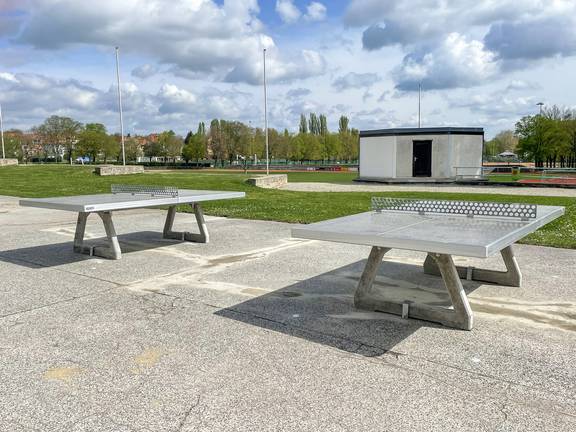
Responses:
[423,131]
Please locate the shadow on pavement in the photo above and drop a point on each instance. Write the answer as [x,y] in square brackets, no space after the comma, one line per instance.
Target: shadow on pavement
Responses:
[57,254]
[321,309]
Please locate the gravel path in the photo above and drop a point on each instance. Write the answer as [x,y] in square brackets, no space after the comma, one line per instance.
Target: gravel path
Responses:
[366,187]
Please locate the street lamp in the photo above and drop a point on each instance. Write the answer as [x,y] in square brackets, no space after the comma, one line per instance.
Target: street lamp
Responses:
[120,107]
[2,134]
[540,104]
[266,114]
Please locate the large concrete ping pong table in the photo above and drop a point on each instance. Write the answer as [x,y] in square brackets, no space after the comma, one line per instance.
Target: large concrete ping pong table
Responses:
[441,229]
[125,197]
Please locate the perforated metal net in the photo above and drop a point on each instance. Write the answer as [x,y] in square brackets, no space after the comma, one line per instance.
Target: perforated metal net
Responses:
[162,191]
[466,208]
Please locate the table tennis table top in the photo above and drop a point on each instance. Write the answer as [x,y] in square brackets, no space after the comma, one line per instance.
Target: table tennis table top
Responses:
[127,200]
[440,233]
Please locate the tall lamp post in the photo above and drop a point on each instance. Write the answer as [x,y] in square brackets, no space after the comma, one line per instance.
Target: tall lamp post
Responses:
[266,114]
[419,102]
[540,104]
[120,107]
[2,134]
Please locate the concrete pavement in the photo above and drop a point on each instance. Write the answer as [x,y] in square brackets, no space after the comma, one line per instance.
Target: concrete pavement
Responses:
[256,332]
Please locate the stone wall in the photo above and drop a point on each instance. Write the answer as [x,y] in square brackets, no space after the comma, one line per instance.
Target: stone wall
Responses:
[270,181]
[4,162]
[108,170]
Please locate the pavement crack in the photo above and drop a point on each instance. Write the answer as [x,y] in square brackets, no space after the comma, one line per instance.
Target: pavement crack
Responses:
[186,414]
[44,306]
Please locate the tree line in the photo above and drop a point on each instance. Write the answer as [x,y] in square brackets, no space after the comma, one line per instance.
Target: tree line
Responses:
[548,138]
[64,139]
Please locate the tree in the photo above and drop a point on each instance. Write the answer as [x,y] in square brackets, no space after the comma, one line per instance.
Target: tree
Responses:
[216,143]
[323,125]
[132,149]
[60,134]
[170,144]
[314,124]
[343,125]
[14,144]
[91,141]
[195,144]
[505,140]
[303,129]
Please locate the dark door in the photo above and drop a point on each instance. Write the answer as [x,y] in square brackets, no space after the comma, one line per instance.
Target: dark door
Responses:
[422,158]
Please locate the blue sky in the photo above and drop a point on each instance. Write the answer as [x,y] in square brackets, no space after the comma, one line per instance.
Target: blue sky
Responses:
[481,63]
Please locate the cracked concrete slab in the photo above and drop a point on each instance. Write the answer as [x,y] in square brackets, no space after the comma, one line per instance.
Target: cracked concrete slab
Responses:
[255,331]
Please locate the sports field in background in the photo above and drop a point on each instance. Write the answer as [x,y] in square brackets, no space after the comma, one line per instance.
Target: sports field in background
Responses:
[265,204]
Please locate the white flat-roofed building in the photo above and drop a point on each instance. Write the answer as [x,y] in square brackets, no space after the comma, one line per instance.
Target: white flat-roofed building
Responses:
[439,154]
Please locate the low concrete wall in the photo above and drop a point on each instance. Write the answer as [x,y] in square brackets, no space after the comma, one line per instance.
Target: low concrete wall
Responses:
[108,170]
[270,181]
[4,162]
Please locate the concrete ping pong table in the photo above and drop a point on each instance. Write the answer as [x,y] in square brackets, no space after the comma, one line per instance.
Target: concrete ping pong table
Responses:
[441,229]
[125,197]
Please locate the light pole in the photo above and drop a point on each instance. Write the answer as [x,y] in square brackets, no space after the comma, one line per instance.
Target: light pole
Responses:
[419,101]
[266,114]
[120,108]
[2,134]
[540,104]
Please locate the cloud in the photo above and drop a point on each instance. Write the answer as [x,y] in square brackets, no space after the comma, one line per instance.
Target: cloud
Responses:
[216,40]
[308,63]
[520,85]
[534,39]
[512,34]
[456,62]
[298,92]
[355,80]
[315,12]
[288,12]
[145,71]
[171,107]
[495,105]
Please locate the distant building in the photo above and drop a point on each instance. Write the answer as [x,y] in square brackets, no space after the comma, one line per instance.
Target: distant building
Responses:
[440,154]
[508,154]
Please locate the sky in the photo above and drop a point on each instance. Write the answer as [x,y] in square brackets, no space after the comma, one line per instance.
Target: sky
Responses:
[481,63]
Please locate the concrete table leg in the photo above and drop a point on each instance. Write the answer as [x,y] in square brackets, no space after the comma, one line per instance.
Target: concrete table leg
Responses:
[111,250]
[458,316]
[462,313]
[79,235]
[362,296]
[201,237]
[511,277]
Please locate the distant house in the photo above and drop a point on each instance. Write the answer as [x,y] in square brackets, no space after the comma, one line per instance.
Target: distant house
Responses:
[508,154]
[440,154]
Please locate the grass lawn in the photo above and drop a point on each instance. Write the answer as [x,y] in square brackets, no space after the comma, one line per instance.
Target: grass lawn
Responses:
[265,204]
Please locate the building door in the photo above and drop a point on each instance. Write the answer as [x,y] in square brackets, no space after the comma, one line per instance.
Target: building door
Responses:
[422,158]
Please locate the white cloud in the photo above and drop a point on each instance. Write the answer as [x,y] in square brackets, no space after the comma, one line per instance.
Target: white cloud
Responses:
[456,62]
[190,36]
[171,107]
[308,63]
[288,12]
[145,71]
[354,80]
[315,12]
[513,33]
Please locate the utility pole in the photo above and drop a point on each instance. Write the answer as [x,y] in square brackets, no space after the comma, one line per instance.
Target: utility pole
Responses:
[266,115]
[419,101]
[120,108]
[2,134]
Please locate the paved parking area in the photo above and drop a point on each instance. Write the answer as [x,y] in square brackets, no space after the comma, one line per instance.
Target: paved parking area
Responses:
[257,332]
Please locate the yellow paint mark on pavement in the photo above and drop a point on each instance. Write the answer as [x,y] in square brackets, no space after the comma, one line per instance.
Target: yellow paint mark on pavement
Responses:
[147,359]
[64,374]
